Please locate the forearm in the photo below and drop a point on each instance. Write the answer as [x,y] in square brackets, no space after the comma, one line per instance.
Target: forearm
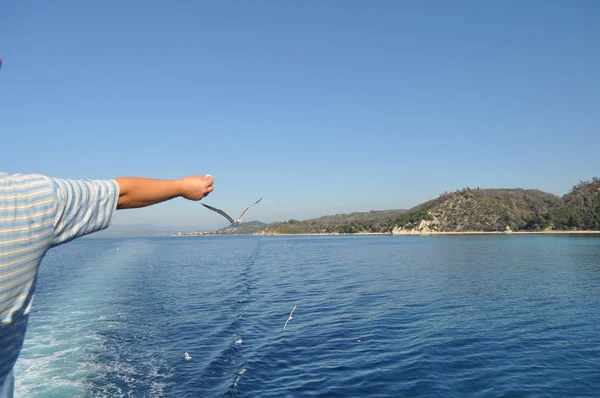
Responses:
[140,192]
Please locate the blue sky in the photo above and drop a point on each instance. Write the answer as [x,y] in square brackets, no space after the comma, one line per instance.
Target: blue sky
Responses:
[319,106]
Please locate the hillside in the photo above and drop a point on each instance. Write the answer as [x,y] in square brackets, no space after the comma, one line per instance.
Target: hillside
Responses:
[506,209]
[580,210]
[372,221]
[246,228]
[478,210]
[468,210]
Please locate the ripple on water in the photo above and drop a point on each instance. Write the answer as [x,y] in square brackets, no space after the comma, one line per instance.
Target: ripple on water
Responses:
[375,316]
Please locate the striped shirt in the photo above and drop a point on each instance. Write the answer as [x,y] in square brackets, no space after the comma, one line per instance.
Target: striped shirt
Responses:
[37,213]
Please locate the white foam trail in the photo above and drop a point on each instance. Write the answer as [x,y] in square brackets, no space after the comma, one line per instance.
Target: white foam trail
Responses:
[62,335]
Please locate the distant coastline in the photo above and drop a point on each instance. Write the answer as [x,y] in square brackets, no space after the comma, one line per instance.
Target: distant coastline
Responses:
[500,233]
[406,234]
[468,211]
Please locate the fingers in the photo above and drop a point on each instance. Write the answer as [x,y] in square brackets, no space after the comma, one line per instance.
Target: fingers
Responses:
[206,192]
[196,187]
[210,182]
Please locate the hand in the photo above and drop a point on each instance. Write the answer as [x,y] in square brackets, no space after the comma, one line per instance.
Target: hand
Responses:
[196,187]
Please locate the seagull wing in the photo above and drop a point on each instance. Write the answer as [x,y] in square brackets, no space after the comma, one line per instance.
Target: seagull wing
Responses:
[245,211]
[290,317]
[221,212]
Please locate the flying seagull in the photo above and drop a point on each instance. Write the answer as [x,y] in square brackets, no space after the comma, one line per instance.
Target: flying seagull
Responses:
[289,319]
[233,222]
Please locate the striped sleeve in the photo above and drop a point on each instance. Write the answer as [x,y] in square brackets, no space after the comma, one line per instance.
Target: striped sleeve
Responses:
[83,207]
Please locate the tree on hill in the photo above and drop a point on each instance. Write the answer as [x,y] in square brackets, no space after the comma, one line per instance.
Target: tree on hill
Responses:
[471,210]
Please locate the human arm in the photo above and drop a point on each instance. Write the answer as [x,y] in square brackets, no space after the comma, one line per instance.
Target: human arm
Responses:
[83,207]
[135,192]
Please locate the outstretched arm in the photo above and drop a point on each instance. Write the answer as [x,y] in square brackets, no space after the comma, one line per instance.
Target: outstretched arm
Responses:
[137,192]
[82,207]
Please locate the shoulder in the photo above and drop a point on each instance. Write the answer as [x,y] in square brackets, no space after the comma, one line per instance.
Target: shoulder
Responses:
[27,206]
[83,207]
[84,188]
[24,185]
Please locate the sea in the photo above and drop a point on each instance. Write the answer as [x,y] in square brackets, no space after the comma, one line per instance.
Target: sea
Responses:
[373,316]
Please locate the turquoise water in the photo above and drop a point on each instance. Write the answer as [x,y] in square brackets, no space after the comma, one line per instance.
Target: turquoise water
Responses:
[478,316]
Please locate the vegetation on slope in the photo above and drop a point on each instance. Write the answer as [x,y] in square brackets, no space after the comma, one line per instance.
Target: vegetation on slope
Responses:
[245,228]
[372,221]
[479,210]
[469,210]
[580,210]
[501,209]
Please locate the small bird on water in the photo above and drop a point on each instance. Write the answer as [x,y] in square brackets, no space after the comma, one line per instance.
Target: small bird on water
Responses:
[289,319]
[187,356]
[233,222]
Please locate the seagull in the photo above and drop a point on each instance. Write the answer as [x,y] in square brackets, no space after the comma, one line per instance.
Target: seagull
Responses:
[289,319]
[233,222]
[187,356]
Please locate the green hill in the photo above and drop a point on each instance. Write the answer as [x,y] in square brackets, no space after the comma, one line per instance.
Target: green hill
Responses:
[484,210]
[468,210]
[372,221]
[580,210]
[497,210]
[246,228]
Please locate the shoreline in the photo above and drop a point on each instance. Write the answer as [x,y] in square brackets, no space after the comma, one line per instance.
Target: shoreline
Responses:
[443,233]
[499,233]
[414,233]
